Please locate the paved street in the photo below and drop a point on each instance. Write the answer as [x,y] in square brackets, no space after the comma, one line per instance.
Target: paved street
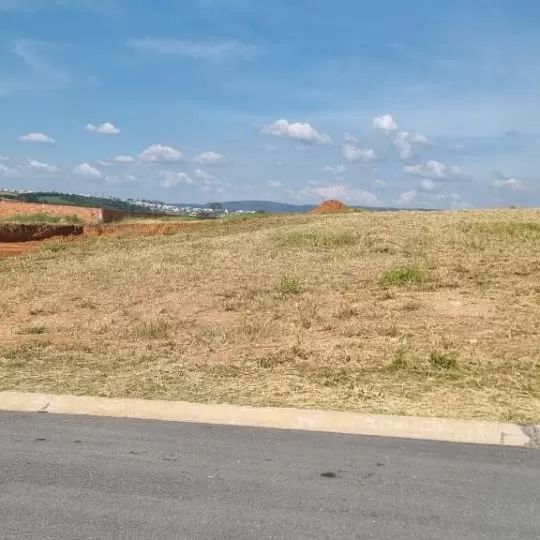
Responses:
[77,478]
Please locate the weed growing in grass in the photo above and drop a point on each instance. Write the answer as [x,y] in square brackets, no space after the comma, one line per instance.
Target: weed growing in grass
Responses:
[347,312]
[443,360]
[55,246]
[158,329]
[399,362]
[290,286]
[33,330]
[519,229]
[315,239]
[404,275]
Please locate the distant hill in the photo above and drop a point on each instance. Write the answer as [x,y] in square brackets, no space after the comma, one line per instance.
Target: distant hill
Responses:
[84,201]
[267,206]
[89,201]
[285,208]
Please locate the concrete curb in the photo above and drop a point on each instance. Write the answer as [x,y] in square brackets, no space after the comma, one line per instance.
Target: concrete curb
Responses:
[436,429]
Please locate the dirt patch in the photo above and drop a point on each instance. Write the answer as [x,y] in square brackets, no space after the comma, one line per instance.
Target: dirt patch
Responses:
[20,239]
[329,207]
[8,249]
[15,208]
[33,232]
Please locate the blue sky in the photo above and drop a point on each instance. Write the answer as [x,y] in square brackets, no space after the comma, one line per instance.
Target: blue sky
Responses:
[423,103]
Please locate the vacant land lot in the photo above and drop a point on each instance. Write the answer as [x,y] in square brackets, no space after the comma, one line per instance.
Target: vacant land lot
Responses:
[403,313]
[10,209]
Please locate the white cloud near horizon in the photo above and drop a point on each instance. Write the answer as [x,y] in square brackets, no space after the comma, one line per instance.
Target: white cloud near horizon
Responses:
[86,170]
[203,175]
[433,169]
[344,193]
[9,172]
[172,179]
[40,166]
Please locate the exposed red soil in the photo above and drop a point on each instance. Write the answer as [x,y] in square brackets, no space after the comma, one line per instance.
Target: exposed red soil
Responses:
[14,208]
[36,231]
[330,206]
[141,229]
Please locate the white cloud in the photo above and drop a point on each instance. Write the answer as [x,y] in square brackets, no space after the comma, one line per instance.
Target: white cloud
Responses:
[84,169]
[121,179]
[361,196]
[124,159]
[203,175]
[338,169]
[348,138]
[334,191]
[200,50]
[354,154]
[171,179]
[404,142]
[209,158]
[103,129]
[511,183]
[3,158]
[433,169]
[159,153]
[270,148]
[213,186]
[37,137]
[38,165]
[427,184]
[407,197]
[9,172]
[385,123]
[275,184]
[297,131]
[380,183]
[344,193]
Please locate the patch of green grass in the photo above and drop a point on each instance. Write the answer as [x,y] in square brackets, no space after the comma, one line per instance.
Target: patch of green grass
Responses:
[400,361]
[290,286]
[519,229]
[55,246]
[443,360]
[42,217]
[403,275]
[315,239]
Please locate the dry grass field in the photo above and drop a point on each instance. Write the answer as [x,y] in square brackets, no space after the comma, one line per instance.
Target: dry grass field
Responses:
[434,314]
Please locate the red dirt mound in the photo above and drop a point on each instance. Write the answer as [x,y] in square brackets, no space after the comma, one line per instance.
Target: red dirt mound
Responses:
[330,206]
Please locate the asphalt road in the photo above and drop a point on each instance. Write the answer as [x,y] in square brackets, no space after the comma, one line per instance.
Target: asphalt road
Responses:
[64,477]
